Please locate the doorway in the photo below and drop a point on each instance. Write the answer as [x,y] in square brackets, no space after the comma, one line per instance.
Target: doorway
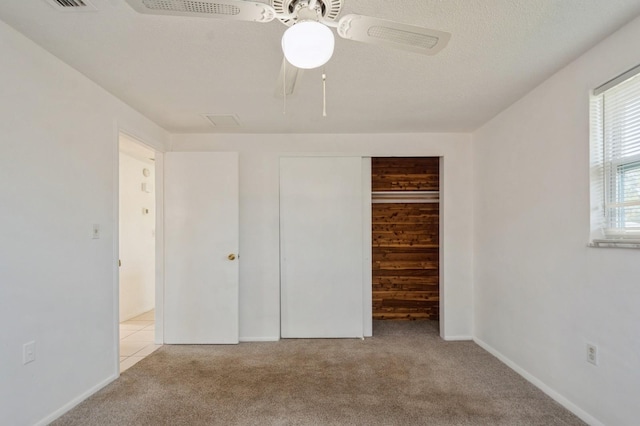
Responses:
[405,238]
[137,250]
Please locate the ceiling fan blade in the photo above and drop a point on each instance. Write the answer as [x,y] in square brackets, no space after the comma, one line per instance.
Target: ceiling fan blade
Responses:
[288,79]
[239,10]
[394,34]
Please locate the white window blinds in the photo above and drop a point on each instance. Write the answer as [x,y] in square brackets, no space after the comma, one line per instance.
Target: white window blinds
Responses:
[615,159]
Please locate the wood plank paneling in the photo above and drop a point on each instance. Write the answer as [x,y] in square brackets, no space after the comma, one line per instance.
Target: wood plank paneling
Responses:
[405,174]
[405,240]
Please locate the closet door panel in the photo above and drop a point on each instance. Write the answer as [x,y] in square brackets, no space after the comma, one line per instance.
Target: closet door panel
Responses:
[321,225]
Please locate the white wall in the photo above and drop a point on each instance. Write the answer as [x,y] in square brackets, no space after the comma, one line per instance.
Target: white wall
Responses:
[259,223]
[136,236]
[58,156]
[540,294]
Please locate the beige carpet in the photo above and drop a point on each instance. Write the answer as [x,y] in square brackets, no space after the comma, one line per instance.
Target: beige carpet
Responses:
[405,375]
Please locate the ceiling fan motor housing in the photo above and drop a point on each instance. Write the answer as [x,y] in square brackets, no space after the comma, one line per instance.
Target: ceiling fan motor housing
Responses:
[327,9]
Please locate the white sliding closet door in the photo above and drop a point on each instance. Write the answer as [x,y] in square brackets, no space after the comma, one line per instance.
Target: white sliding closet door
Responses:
[201,248]
[321,247]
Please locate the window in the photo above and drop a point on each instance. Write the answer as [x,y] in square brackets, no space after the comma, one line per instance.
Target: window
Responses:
[615,160]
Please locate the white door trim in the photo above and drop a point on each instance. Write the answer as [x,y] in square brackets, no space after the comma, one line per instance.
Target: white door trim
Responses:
[367,249]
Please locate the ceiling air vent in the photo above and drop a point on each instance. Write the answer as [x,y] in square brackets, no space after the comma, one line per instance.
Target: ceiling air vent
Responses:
[223,120]
[72,5]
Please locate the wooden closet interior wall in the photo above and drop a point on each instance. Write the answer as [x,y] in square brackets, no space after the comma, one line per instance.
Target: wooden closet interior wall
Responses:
[405,237]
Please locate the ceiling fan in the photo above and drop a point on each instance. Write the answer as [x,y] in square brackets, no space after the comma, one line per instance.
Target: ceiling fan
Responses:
[309,42]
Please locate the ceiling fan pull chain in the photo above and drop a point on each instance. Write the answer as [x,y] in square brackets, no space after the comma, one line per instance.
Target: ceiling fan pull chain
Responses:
[284,86]
[324,94]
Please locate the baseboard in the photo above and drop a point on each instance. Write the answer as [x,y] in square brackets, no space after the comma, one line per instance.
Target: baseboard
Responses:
[259,339]
[457,338]
[75,401]
[144,311]
[586,417]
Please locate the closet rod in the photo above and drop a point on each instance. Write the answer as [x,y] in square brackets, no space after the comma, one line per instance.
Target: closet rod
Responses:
[380,197]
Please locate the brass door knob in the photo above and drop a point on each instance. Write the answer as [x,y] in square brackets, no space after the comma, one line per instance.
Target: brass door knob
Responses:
[231,257]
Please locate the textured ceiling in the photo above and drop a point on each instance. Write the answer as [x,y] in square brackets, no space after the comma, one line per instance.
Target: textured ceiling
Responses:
[174,69]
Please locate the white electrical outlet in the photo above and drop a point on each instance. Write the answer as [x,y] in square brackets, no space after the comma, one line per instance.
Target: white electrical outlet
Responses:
[29,352]
[592,354]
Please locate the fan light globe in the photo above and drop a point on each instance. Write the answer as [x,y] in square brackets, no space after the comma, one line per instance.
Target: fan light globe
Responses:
[308,44]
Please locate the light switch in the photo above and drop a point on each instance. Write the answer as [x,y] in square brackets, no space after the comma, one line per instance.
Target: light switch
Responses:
[29,352]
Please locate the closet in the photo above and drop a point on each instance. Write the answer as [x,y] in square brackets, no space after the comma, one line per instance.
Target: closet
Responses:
[405,238]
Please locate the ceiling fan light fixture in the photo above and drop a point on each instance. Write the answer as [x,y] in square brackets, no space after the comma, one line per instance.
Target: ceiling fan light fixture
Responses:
[308,44]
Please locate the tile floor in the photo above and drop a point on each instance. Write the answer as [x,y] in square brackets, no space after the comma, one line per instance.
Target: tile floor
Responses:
[136,339]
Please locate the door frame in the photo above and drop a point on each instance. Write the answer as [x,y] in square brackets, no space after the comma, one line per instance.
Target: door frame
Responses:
[159,242]
[367,249]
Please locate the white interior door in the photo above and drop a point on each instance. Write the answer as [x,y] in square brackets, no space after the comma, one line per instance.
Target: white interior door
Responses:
[321,247]
[201,237]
